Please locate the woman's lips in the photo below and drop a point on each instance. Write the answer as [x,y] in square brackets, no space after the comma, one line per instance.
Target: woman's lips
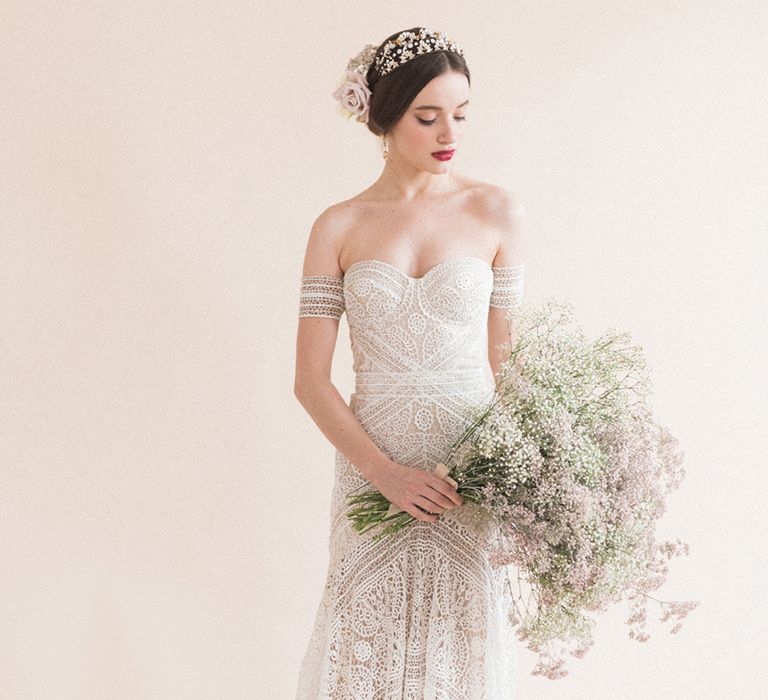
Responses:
[443,155]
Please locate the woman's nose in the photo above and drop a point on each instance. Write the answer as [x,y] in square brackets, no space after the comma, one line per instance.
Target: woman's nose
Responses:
[448,133]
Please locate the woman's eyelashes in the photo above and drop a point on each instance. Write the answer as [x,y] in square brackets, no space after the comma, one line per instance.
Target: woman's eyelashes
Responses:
[427,122]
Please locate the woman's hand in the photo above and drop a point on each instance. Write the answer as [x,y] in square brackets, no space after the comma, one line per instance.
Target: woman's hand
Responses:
[411,489]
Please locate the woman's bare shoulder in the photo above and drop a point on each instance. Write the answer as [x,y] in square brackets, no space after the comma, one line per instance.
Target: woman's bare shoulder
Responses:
[326,238]
[343,213]
[499,207]
[502,211]
[490,196]
[486,200]
[338,219]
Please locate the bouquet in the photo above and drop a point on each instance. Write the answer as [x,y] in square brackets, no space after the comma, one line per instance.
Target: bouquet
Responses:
[569,462]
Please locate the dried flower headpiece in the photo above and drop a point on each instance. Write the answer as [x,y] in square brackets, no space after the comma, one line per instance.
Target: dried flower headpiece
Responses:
[353,93]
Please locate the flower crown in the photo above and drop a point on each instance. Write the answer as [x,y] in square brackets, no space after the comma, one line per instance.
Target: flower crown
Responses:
[353,93]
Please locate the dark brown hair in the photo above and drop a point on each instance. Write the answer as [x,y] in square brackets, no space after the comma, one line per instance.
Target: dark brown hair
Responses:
[393,93]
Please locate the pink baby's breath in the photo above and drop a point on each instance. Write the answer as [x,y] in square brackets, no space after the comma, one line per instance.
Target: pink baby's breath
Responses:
[571,463]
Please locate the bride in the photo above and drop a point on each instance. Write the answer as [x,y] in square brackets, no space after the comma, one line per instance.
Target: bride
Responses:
[425,263]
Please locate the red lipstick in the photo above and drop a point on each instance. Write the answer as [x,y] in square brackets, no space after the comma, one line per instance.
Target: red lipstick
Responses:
[444,155]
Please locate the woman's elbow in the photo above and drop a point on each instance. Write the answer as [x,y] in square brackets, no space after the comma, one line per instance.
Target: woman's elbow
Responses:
[299,387]
[305,383]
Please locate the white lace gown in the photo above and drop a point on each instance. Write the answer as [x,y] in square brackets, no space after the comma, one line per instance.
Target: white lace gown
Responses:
[421,614]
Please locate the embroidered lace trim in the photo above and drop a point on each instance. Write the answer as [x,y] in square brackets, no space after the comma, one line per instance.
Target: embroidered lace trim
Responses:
[507,285]
[321,295]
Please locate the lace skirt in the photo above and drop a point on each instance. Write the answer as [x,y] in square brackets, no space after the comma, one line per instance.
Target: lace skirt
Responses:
[420,614]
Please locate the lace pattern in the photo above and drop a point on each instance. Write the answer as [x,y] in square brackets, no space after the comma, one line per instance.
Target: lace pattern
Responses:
[507,286]
[425,613]
[321,295]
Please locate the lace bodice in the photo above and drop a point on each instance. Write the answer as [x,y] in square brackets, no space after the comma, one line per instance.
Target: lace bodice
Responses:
[404,328]
[416,338]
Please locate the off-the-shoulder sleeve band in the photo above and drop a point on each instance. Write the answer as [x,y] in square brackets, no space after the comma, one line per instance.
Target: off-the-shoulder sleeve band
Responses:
[507,285]
[321,295]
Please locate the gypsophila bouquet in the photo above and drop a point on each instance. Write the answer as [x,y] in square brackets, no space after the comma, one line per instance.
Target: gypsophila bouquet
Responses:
[569,462]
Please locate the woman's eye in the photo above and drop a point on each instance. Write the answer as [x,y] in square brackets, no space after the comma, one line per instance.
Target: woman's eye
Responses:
[432,121]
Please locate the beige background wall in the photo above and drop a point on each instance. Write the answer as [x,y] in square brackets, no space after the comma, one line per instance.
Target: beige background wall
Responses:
[163,497]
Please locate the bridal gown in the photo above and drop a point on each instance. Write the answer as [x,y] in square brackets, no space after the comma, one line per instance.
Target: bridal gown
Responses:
[420,614]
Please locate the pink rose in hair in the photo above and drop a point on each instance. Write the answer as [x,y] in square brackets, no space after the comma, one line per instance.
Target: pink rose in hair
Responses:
[353,96]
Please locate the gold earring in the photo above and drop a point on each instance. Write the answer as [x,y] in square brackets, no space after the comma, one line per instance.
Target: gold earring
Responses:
[385,149]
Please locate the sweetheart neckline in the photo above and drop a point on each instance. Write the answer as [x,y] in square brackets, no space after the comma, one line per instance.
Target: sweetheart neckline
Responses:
[452,258]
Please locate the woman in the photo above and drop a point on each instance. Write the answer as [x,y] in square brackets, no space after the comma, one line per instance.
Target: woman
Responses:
[425,263]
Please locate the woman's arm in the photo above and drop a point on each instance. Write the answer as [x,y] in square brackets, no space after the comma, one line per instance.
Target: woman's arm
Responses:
[315,345]
[313,388]
[405,486]
[511,254]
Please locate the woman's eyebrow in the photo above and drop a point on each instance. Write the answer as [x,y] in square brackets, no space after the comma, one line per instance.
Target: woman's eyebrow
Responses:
[440,109]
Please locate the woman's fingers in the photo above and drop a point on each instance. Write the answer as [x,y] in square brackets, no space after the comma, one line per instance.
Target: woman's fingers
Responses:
[440,499]
[423,495]
[429,505]
[419,514]
[447,491]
